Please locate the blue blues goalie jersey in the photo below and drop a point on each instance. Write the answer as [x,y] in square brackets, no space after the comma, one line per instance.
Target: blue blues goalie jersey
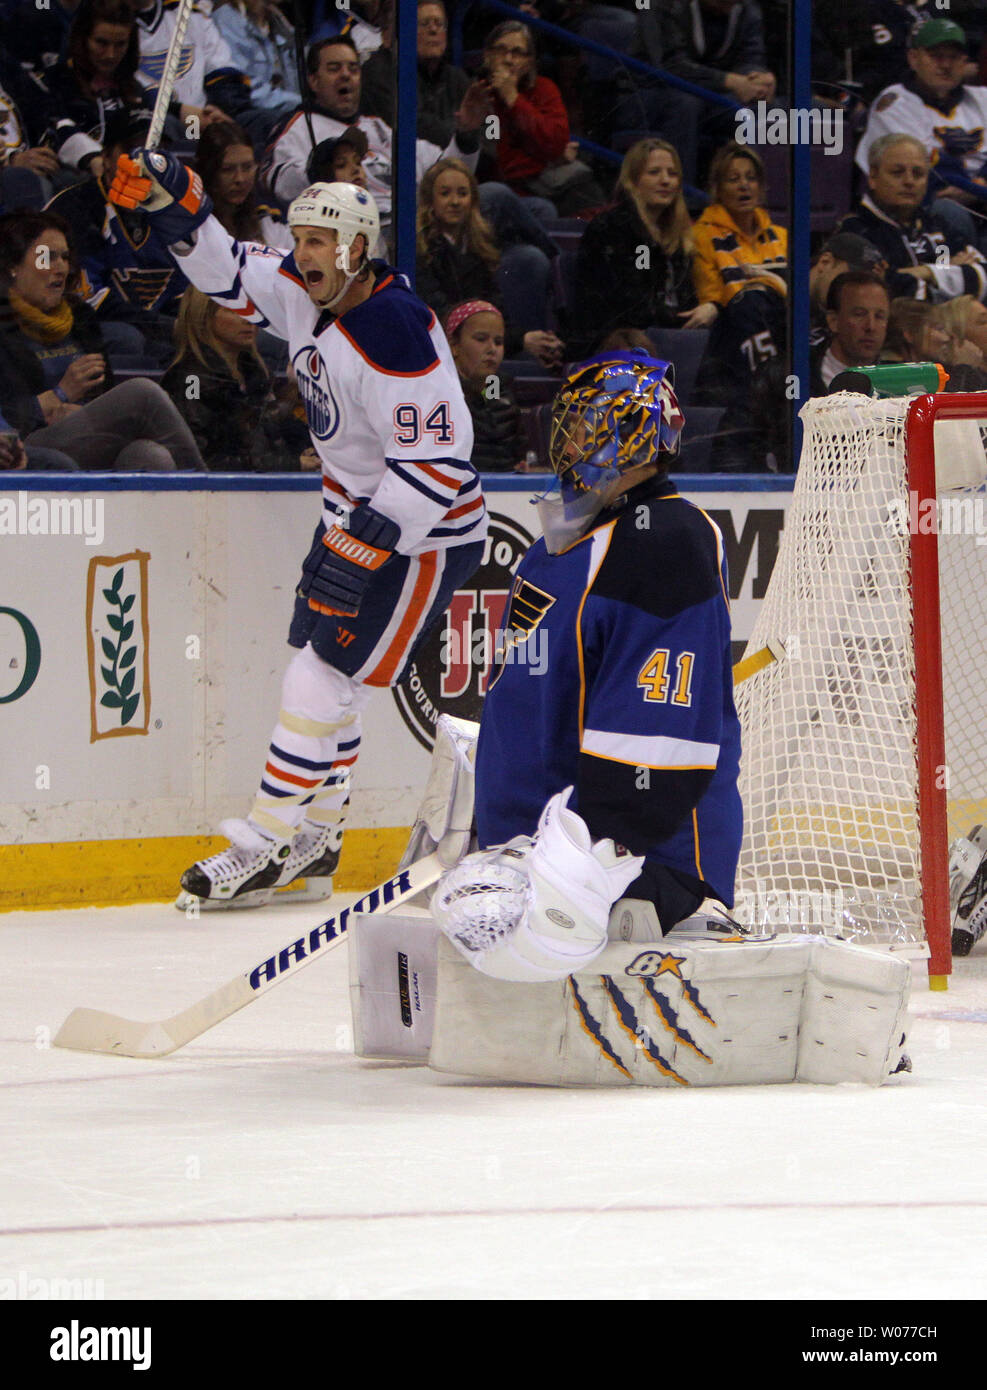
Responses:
[615,677]
[382,396]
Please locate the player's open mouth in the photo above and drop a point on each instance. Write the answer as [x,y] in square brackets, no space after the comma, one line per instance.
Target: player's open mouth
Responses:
[313,278]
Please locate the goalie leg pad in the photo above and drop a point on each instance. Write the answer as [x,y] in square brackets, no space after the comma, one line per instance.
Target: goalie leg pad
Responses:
[445,817]
[712,1013]
[853,1014]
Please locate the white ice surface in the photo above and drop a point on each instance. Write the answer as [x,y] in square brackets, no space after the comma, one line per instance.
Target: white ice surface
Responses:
[265,1161]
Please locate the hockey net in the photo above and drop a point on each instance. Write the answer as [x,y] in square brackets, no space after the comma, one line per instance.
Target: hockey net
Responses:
[864,750]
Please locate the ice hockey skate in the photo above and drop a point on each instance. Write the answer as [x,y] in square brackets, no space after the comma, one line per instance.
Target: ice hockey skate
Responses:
[250,872]
[307,873]
[970,902]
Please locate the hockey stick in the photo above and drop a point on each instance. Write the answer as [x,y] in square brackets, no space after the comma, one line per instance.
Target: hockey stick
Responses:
[90,1030]
[169,75]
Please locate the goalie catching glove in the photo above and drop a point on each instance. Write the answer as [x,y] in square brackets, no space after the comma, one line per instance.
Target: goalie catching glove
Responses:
[536,910]
[341,564]
[168,193]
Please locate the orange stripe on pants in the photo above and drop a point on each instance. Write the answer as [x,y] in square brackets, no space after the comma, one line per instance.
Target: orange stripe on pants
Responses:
[384,672]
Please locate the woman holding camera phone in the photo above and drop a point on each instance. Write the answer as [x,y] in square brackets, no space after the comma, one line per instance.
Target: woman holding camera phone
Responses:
[56,389]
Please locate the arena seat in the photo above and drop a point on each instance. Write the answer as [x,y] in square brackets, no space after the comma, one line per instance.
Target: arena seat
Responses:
[534,388]
[831,185]
[701,425]
[685,349]
[566,232]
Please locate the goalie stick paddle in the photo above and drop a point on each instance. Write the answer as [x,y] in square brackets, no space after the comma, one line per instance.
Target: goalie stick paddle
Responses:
[90,1030]
[750,665]
[169,75]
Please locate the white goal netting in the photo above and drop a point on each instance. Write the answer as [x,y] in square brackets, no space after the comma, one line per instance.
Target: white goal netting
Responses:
[829,773]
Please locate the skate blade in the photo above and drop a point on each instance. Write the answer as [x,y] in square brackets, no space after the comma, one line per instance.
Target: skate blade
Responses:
[305,890]
[188,903]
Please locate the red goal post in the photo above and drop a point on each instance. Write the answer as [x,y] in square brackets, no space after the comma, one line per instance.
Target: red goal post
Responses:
[861,758]
[934,832]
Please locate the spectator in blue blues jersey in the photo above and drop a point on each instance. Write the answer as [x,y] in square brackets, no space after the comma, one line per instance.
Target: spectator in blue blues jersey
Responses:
[127,275]
[26,164]
[366,23]
[225,160]
[926,257]
[95,81]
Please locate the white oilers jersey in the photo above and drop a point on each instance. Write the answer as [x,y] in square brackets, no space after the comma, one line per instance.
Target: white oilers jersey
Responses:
[203,51]
[382,396]
[957,136]
[284,168]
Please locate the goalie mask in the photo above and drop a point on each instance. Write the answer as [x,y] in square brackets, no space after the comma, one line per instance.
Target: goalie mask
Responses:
[613,412]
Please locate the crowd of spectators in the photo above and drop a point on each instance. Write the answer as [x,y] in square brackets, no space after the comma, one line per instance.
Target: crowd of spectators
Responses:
[567,201]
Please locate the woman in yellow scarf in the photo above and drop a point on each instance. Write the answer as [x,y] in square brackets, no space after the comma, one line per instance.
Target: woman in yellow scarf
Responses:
[56,388]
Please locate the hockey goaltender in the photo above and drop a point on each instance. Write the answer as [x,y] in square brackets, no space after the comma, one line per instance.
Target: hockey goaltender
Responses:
[571,948]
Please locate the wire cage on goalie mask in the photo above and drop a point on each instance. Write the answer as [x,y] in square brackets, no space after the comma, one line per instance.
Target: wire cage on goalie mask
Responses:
[613,412]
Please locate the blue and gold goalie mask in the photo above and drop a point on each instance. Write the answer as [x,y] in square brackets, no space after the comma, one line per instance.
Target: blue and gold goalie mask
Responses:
[612,413]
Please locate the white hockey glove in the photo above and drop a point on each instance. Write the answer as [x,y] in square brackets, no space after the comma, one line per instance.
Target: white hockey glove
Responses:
[536,910]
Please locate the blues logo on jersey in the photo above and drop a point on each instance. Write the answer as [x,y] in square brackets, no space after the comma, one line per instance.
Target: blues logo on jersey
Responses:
[152,65]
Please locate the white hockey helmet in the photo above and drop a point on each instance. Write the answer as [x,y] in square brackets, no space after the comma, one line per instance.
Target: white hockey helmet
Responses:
[344,207]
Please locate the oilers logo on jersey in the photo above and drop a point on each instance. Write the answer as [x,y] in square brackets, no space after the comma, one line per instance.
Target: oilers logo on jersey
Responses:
[321,410]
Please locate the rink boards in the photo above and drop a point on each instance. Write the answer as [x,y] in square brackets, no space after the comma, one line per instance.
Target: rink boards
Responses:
[142,643]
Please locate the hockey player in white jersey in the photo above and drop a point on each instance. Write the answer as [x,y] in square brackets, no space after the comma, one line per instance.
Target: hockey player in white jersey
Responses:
[403,516]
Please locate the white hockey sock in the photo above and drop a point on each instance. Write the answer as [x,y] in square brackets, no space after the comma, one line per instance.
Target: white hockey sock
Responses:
[326,805]
[313,748]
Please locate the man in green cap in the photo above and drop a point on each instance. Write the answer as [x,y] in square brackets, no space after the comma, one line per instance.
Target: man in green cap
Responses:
[948,118]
